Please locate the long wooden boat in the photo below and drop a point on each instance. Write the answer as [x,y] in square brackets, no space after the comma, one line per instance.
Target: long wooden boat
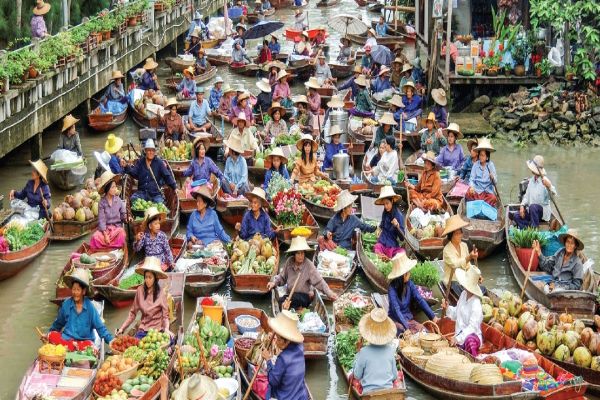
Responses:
[105,122]
[245,70]
[327,3]
[253,17]
[341,70]
[201,78]
[12,262]
[308,221]
[66,179]
[277,4]
[218,59]
[255,284]
[124,297]
[232,212]
[70,230]
[291,34]
[143,121]
[216,139]
[336,284]
[30,384]
[300,70]
[204,284]
[579,303]
[187,205]
[374,276]
[178,64]
[483,234]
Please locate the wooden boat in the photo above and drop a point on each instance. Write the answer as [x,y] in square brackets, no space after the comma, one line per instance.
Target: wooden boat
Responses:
[308,221]
[201,78]
[12,262]
[178,64]
[187,205]
[372,186]
[70,230]
[66,179]
[362,3]
[315,343]
[413,139]
[211,43]
[232,212]
[255,283]
[201,284]
[124,297]
[253,17]
[374,7]
[483,234]
[218,60]
[341,70]
[277,4]
[30,385]
[337,285]
[327,3]
[143,121]
[579,303]
[291,34]
[245,70]
[301,70]
[105,122]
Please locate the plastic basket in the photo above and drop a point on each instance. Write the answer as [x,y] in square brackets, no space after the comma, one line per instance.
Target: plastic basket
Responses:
[214,312]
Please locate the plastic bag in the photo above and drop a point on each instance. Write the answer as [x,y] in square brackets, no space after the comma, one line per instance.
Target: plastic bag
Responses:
[64,156]
[24,213]
[555,56]
[311,322]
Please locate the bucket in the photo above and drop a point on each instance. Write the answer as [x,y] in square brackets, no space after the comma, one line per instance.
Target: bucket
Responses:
[523,254]
[213,312]
[340,118]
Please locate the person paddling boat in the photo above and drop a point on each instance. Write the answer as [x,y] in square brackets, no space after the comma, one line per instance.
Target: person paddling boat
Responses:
[36,192]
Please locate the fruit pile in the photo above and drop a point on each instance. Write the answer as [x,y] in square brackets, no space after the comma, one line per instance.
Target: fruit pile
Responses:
[124,342]
[81,207]
[179,151]
[140,382]
[105,384]
[131,281]
[322,192]
[155,364]
[142,205]
[115,395]
[154,340]
[255,256]
[135,353]
[52,350]
[114,365]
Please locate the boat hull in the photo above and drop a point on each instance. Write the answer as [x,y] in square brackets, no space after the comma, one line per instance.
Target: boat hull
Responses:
[485,235]
[105,122]
[11,263]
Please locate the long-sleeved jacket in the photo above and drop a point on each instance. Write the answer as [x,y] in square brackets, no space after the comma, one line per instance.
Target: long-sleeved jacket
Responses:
[400,310]
[343,231]
[145,180]
[71,143]
[568,276]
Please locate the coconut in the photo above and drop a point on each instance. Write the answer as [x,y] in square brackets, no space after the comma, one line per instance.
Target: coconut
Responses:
[546,342]
[88,213]
[582,357]
[571,340]
[595,365]
[506,295]
[514,306]
[84,193]
[89,184]
[503,304]
[542,312]
[530,329]
[594,343]
[551,320]
[80,215]
[562,353]
[566,318]
[524,318]
[69,213]
[520,338]
[502,315]
[69,199]
[57,214]
[585,336]
[86,202]
[511,327]
[75,202]
[487,312]
[531,346]
[578,326]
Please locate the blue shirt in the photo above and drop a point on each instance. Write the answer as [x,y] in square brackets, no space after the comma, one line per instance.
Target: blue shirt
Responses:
[251,225]
[400,307]
[34,198]
[188,84]
[115,165]
[274,47]
[465,172]
[147,82]
[366,61]
[349,84]
[480,177]
[380,84]
[282,171]
[331,149]
[145,180]
[412,108]
[195,24]
[343,231]
[266,6]
[198,113]
[236,172]
[390,236]
[381,29]
[215,98]
[203,171]
[375,367]
[286,377]
[80,326]
[207,229]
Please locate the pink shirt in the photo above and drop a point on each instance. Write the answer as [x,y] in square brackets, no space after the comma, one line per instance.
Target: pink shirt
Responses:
[155,314]
[314,102]
[282,91]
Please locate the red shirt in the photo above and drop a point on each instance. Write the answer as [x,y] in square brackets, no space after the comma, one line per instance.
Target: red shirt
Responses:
[265,55]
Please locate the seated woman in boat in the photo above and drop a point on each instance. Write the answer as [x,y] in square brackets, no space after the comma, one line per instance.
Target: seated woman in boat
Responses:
[432,138]
[173,122]
[396,75]
[242,106]
[256,219]
[204,226]
[451,155]
[314,104]
[77,317]
[236,169]
[216,93]
[244,135]
[195,44]
[111,215]
[412,102]
[152,241]
[465,171]
[407,69]
[274,45]
[281,91]
[397,108]
[272,75]
[300,48]
[264,56]
[341,228]
[306,168]
[565,266]
[69,138]
[276,125]
[427,193]
[351,83]
[202,64]
[381,27]
[224,109]
[202,167]
[238,37]
[375,363]
[263,100]
[363,106]
[239,57]
[439,109]
[286,376]
[382,82]
[278,164]
[310,279]
[113,146]
[535,204]
[483,175]
[36,192]
[333,147]
[150,301]
[322,71]
[345,53]
[198,115]
[391,225]
[404,297]
[456,254]
[377,156]
[303,118]
[187,87]
[385,129]
[197,25]
[317,41]
[366,61]
[115,92]
[371,38]
[467,313]
[387,167]
[149,80]
[300,20]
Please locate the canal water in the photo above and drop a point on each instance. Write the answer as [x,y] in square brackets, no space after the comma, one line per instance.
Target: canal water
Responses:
[25,298]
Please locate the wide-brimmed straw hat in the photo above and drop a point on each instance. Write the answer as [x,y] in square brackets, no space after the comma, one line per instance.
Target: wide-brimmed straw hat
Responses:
[150,215]
[80,275]
[430,156]
[263,86]
[536,165]
[575,235]
[406,67]
[103,159]
[387,118]
[41,169]
[345,199]
[197,387]
[454,223]
[194,34]
[285,325]
[234,143]
[471,143]
[398,60]
[335,102]
[298,243]
[238,26]
[116,75]
[277,152]
[275,63]
[396,100]
[300,99]
[243,96]
[105,178]
[172,102]
[312,83]
[259,194]
[453,127]
[189,71]
[361,81]
[469,280]
[383,70]
[372,32]
[334,130]
[377,328]
[274,107]
[150,64]
[151,264]
[357,69]
[68,122]
[401,264]
[227,89]
[204,139]
[202,191]
[304,138]
[409,84]
[484,144]
[41,8]
[387,192]
[439,96]
[431,117]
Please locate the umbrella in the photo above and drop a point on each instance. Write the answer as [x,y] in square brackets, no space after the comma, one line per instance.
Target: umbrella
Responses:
[262,29]
[382,55]
[348,24]
[235,12]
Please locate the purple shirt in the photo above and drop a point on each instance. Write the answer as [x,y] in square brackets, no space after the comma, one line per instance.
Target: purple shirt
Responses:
[236,110]
[34,198]
[286,377]
[38,26]
[110,214]
[147,82]
[451,158]
[251,225]
[202,171]
[157,247]
[441,115]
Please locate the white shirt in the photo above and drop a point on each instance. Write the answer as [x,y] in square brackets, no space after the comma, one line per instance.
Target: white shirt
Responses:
[468,316]
[537,193]
[371,42]
[387,166]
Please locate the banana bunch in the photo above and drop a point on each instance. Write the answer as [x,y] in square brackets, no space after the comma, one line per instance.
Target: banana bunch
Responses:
[51,350]
[369,122]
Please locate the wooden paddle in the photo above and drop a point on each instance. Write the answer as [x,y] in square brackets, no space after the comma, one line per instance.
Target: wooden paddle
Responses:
[527,275]
[493,181]
[286,304]
[258,368]
[46,208]
[549,192]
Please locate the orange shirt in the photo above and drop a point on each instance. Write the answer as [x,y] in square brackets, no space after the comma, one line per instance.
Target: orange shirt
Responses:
[430,185]
[306,171]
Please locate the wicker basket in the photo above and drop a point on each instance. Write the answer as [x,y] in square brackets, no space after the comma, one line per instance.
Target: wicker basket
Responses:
[128,373]
[411,351]
[421,361]
[486,374]
[51,364]
[427,340]
[439,345]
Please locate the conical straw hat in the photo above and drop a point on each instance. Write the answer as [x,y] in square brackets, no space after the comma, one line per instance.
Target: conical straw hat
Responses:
[285,325]
[377,328]
[259,194]
[151,264]
[469,280]
[80,275]
[68,122]
[401,264]
[454,223]
[106,177]
[387,192]
[345,199]
[41,169]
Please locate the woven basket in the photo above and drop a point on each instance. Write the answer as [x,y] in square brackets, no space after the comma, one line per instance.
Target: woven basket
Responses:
[51,364]
[427,339]
[411,351]
[421,361]
[441,363]
[486,374]
[462,374]
[128,373]
[439,345]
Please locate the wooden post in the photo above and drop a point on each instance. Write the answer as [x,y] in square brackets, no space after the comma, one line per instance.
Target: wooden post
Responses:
[567,46]
[448,30]
[35,146]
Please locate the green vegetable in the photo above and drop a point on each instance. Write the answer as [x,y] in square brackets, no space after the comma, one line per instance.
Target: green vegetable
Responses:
[345,347]
[425,274]
[524,237]
[341,251]
[86,259]
[385,267]
[287,139]
[19,238]
[354,314]
[131,281]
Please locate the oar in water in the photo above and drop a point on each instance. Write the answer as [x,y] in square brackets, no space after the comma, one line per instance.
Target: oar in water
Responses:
[527,275]
[258,368]
[549,192]
[46,208]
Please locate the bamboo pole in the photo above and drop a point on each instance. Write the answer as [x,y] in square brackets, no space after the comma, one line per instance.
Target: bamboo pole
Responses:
[448,30]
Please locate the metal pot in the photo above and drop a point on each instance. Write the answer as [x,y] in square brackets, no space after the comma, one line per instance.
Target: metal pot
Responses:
[340,118]
[341,166]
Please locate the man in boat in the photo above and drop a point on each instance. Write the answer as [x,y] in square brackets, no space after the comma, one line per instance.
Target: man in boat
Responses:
[266,5]
[216,92]
[199,113]
[69,138]
[151,174]
[345,53]
[565,266]
[322,71]
[238,55]
[300,20]
[244,134]
[351,84]
[535,205]
[115,91]
[197,24]
[381,27]
[427,193]
[274,45]
[187,87]
[149,79]
[77,317]
[366,61]
[382,82]
[173,122]
[300,273]
[36,192]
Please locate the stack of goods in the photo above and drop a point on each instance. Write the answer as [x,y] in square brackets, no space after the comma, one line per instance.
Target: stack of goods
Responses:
[486,374]
[349,308]
[288,208]
[259,156]
[335,264]
[15,236]
[177,151]
[114,365]
[426,225]
[139,206]
[134,387]
[444,362]
[321,192]
[154,340]
[277,184]
[122,343]
[209,260]
[80,207]
[310,321]
[255,256]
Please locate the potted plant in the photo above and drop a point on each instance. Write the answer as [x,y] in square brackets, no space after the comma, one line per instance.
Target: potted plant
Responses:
[523,240]
[492,63]
[3,78]
[520,52]
[543,68]
[107,23]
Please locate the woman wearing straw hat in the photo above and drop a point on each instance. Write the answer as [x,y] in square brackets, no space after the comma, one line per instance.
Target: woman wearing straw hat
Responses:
[77,317]
[309,280]
[467,313]
[282,92]
[483,175]
[202,167]
[36,192]
[111,215]
[363,106]
[150,300]
[397,74]
[195,44]
[236,169]
[239,57]
[465,171]
[263,100]
[345,54]
[149,79]
[202,64]
[388,165]
[240,29]
[276,125]
[322,71]
[273,70]
[195,387]
[397,108]
[225,106]
[196,25]
[306,168]
[314,104]
[351,83]
[152,241]
[187,87]
[286,376]
[216,93]
[256,220]
[382,82]
[565,265]
[204,226]
[300,18]
[387,123]
[69,138]
[116,91]
[278,164]
[427,193]
[303,118]
[38,24]
[412,101]
[242,106]
[333,147]
[173,122]
[406,75]
[456,254]
[451,155]
[274,45]
[432,138]
[341,228]
[391,225]
[439,109]
[244,134]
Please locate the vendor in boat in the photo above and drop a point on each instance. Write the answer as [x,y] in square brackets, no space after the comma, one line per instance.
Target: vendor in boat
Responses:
[264,56]
[366,61]
[244,135]
[427,193]
[404,297]
[322,71]
[371,38]
[274,45]
[432,138]
[286,376]
[276,125]
[77,317]
[412,102]
[149,80]
[152,241]
[397,108]
[263,100]
[439,109]
[303,118]
[113,146]
[240,29]
[204,226]
[391,225]
[195,44]
[363,106]
[199,113]
[305,44]
[535,204]
[375,363]
[216,93]
[115,91]
[396,77]
[225,107]
[202,64]
[406,72]
[69,138]
[282,92]
[151,174]
[300,48]
[565,266]
[385,129]
[345,53]
[242,106]
[300,20]
[318,40]
[236,169]
[239,57]
[273,70]
[36,192]
[483,175]
[150,301]
[465,171]
[467,314]
[173,122]
[306,168]
[314,104]
[278,164]
[387,167]
[377,156]
[111,216]
[187,87]
[341,228]
[333,147]
[381,27]
[351,83]
[456,254]
[451,155]
[202,167]
[196,25]
[266,5]
[382,82]
[256,220]
[299,271]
